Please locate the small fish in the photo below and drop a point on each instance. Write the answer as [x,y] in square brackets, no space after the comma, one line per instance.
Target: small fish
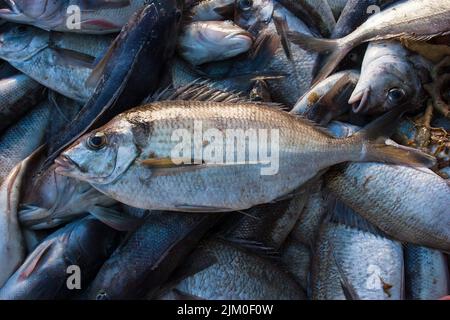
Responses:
[390,75]
[135,166]
[61,62]
[96,17]
[206,41]
[18,94]
[413,19]
[354,261]
[86,244]
[427,273]
[217,270]
[152,252]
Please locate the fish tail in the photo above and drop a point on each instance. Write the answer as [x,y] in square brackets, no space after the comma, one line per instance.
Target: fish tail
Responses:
[374,146]
[335,49]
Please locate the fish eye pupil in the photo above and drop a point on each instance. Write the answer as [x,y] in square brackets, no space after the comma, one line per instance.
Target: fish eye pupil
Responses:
[96,142]
[396,95]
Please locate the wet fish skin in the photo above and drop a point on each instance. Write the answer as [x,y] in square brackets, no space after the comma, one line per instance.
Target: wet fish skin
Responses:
[23,138]
[86,243]
[351,255]
[153,251]
[18,94]
[296,256]
[337,6]
[355,13]
[387,196]
[268,226]
[12,243]
[426,274]
[315,13]
[390,76]
[207,41]
[125,76]
[97,17]
[232,273]
[118,168]
[416,19]
[33,52]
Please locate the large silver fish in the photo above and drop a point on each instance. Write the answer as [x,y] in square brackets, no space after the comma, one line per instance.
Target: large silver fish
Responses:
[414,19]
[145,157]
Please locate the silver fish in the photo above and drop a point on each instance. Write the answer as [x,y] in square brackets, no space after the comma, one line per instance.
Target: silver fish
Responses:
[63,64]
[390,76]
[132,158]
[408,204]
[414,19]
[296,257]
[354,261]
[207,41]
[337,6]
[426,274]
[95,17]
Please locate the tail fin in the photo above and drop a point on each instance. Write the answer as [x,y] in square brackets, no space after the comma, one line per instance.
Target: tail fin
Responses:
[334,49]
[377,148]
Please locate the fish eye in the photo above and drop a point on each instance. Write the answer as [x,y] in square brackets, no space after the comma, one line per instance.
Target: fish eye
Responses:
[245,4]
[396,95]
[97,141]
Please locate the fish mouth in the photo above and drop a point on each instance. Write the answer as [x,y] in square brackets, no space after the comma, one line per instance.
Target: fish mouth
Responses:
[363,98]
[65,165]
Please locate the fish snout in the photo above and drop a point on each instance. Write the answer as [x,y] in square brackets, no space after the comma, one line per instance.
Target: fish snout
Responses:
[65,165]
[360,100]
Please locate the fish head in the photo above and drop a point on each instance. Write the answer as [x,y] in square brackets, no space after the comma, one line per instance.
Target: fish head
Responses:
[251,14]
[213,40]
[384,87]
[21,41]
[101,156]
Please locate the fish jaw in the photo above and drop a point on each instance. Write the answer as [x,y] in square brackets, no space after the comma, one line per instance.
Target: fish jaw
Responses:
[360,100]
[65,166]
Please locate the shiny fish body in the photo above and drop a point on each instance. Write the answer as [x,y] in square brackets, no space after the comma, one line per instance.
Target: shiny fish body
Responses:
[426,273]
[296,257]
[18,94]
[304,150]
[23,138]
[212,10]
[411,205]
[236,274]
[368,265]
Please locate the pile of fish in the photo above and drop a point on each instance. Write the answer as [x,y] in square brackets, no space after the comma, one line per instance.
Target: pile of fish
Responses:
[122,126]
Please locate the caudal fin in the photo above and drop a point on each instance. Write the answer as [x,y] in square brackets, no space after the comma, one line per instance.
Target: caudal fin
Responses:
[333,48]
[377,148]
